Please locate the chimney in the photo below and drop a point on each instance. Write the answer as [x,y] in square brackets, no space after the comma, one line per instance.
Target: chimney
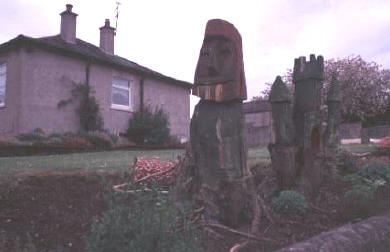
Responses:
[68,24]
[107,34]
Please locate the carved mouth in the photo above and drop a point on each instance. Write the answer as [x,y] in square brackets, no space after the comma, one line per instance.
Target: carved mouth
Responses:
[212,80]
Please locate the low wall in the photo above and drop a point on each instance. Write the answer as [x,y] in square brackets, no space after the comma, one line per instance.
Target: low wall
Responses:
[378,131]
[350,130]
[257,136]
[375,132]
[372,234]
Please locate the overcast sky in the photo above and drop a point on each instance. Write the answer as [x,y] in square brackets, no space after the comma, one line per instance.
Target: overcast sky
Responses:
[166,36]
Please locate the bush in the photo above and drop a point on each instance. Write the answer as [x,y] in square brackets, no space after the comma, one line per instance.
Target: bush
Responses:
[98,139]
[375,171]
[346,161]
[150,224]
[359,193]
[37,135]
[357,201]
[148,127]
[76,141]
[290,202]
[364,183]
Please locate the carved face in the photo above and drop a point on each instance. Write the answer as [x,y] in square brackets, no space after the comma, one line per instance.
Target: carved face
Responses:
[217,62]
[219,74]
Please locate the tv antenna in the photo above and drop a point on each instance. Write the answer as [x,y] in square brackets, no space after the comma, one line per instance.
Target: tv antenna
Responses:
[117,14]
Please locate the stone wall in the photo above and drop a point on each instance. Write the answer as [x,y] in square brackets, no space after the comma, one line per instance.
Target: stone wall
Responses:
[350,130]
[377,131]
[258,127]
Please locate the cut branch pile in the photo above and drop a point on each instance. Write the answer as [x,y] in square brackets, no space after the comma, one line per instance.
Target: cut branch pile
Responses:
[154,169]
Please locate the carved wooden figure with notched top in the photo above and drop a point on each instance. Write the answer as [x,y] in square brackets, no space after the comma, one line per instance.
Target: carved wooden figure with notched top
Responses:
[220,73]
[217,135]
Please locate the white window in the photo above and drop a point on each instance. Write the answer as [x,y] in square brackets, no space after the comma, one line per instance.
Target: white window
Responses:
[3,77]
[120,94]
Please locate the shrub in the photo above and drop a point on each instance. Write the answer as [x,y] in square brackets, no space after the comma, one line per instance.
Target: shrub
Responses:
[37,135]
[359,193]
[54,140]
[374,171]
[357,201]
[150,224]
[364,183]
[76,141]
[346,161]
[290,202]
[114,137]
[98,139]
[148,127]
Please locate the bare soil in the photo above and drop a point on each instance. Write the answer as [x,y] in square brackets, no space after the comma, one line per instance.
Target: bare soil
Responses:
[56,210]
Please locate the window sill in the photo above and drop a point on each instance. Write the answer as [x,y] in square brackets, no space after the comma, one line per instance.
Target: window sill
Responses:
[2,106]
[121,108]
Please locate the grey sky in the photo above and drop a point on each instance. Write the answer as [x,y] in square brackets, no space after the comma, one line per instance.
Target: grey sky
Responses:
[166,35]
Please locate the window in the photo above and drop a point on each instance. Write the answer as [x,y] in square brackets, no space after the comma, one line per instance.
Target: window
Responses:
[3,77]
[120,94]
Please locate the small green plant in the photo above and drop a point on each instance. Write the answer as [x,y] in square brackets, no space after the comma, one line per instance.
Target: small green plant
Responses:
[290,202]
[148,127]
[149,223]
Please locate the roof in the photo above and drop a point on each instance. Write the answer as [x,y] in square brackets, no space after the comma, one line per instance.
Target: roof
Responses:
[89,52]
[256,106]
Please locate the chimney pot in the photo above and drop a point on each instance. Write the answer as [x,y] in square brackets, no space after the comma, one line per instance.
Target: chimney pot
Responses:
[68,25]
[69,7]
[107,34]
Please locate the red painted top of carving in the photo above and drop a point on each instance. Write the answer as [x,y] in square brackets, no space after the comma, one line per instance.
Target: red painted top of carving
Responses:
[219,27]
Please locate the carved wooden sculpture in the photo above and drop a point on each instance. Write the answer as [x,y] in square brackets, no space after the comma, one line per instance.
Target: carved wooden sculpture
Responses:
[217,139]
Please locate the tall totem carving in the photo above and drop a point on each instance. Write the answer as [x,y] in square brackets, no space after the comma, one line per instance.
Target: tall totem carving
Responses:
[217,125]
[300,145]
[308,77]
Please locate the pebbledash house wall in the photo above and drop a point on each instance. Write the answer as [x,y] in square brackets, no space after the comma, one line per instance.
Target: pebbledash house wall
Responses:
[9,114]
[37,80]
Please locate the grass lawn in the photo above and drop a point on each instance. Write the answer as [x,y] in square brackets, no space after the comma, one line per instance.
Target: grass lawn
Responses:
[359,148]
[106,160]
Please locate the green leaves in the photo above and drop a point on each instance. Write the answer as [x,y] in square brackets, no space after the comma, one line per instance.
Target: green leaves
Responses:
[290,202]
[148,127]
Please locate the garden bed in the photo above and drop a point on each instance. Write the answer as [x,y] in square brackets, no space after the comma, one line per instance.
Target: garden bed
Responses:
[56,210]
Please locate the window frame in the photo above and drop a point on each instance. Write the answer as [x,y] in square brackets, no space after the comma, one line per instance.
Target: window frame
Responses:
[3,64]
[128,89]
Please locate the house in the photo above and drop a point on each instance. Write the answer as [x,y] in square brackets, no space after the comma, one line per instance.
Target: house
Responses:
[37,73]
[258,123]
